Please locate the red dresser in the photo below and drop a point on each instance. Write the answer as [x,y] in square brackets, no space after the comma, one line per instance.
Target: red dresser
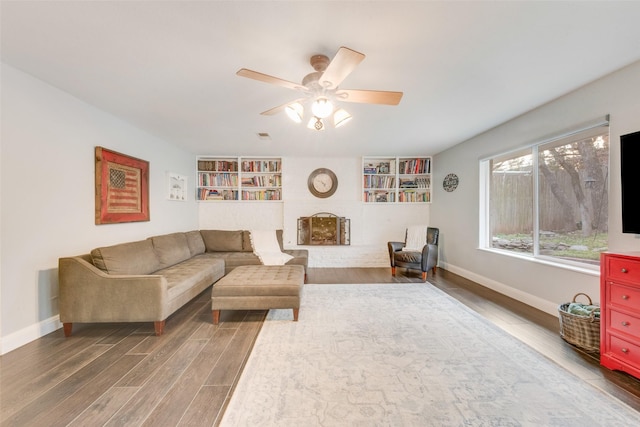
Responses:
[620,312]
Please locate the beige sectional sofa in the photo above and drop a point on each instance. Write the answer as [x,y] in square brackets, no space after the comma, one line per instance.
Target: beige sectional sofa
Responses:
[148,280]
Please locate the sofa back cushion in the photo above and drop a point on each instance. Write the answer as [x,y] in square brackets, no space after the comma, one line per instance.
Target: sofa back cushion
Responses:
[171,248]
[195,242]
[246,241]
[127,258]
[222,240]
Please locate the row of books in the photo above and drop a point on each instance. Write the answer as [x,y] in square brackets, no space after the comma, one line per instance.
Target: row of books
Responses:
[261,166]
[379,196]
[380,168]
[218,165]
[414,166]
[262,195]
[374,181]
[262,181]
[416,182]
[217,179]
[232,165]
[216,194]
[414,196]
[211,194]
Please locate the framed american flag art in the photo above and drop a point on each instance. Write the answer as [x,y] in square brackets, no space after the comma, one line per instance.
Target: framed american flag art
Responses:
[122,188]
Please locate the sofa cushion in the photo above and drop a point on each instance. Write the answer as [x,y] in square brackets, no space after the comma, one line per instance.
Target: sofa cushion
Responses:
[195,242]
[171,248]
[222,240]
[127,258]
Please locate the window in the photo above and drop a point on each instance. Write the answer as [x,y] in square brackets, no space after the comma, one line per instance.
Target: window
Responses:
[550,200]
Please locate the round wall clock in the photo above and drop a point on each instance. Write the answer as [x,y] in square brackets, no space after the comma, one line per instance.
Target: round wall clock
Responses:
[450,182]
[322,182]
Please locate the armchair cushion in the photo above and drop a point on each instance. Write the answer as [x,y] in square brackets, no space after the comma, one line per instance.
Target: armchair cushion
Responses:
[411,257]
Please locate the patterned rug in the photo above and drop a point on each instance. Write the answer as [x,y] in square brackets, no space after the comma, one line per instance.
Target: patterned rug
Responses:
[405,355]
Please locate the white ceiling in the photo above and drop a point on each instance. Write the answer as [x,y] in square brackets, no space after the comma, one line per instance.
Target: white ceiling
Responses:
[169,66]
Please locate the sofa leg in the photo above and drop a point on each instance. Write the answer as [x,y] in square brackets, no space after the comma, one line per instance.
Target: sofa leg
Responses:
[159,327]
[393,271]
[424,276]
[434,269]
[67,327]
[216,317]
[296,311]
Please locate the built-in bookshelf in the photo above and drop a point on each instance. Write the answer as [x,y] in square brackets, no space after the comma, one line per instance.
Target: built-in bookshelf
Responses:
[396,179]
[239,178]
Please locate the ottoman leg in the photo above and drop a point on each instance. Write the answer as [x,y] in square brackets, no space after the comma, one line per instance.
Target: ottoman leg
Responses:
[216,317]
[295,314]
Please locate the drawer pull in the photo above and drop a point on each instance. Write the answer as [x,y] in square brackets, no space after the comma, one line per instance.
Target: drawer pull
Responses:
[624,350]
[624,270]
[625,296]
[625,323]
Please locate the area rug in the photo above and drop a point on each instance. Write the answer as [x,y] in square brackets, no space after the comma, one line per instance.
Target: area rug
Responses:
[405,355]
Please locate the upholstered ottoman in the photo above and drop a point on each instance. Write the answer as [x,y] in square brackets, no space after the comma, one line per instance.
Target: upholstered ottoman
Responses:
[258,287]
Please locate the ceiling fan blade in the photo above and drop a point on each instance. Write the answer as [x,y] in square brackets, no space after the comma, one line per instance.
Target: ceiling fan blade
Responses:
[250,74]
[345,61]
[370,96]
[279,108]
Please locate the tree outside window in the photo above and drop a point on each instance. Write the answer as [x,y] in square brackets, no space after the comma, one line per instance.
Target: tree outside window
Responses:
[551,199]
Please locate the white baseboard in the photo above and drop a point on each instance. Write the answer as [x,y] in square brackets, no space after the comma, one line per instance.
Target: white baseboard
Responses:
[532,300]
[28,334]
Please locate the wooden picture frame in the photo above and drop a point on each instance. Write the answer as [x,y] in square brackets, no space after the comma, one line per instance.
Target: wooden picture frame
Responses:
[122,188]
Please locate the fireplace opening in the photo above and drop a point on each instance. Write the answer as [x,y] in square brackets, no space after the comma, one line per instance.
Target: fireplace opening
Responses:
[324,229]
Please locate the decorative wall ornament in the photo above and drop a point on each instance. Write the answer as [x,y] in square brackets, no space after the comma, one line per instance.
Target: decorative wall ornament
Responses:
[450,182]
[122,188]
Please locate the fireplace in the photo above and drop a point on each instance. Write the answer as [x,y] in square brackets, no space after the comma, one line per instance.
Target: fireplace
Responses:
[324,229]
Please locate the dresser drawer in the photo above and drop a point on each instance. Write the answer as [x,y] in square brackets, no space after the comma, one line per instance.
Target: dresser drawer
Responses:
[623,269]
[624,351]
[624,323]
[624,296]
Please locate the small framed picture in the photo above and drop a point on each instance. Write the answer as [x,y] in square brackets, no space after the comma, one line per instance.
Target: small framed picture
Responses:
[176,187]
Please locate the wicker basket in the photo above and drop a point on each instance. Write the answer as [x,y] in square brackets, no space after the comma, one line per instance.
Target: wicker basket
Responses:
[581,331]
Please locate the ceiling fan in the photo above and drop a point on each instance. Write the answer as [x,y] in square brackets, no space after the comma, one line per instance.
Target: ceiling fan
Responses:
[321,90]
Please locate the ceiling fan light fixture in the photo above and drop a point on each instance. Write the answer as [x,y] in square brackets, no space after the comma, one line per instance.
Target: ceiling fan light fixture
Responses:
[341,117]
[295,111]
[322,107]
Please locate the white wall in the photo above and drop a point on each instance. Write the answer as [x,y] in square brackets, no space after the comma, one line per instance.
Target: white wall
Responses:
[457,213]
[372,225]
[47,195]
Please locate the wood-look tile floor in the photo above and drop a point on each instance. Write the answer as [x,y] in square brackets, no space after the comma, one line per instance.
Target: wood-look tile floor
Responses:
[122,374]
